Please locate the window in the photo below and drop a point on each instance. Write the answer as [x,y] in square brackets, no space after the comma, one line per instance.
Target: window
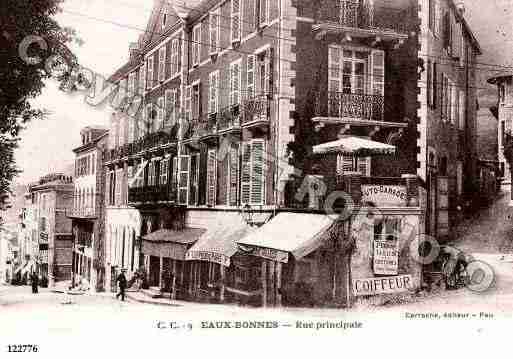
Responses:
[213,90]
[447,31]
[162,64]
[160,115]
[250,74]
[432,14]
[148,119]
[188,104]
[118,187]
[131,84]
[149,72]
[429,84]
[459,177]
[263,12]
[211,177]
[131,129]
[264,71]
[183,180]
[196,100]
[164,170]
[233,175]
[454,105]
[346,163]
[503,132]
[348,71]
[175,57]
[214,31]
[253,176]
[435,84]
[437,18]
[193,183]
[142,78]
[235,83]
[151,173]
[235,21]
[387,228]
[196,45]
[164,21]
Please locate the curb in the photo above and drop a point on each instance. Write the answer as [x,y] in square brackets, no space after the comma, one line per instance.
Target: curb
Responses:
[147,301]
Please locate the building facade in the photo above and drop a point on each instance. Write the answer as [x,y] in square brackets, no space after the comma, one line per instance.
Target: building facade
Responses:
[88,210]
[52,197]
[504,114]
[223,104]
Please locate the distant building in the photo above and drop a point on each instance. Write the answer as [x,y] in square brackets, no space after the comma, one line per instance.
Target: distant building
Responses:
[88,210]
[52,197]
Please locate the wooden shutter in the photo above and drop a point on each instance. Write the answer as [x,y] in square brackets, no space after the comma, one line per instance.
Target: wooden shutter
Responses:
[378,72]
[174,174]
[162,63]
[246,173]
[235,20]
[263,12]
[233,180]
[211,177]
[160,114]
[213,89]
[149,74]
[164,170]
[183,180]
[196,43]
[257,172]
[250,73]
[435,84]
[235,83]
[107,188]
[188,103]
[202,179]
[142,78]
[193,179]
[214,32]
[268,75]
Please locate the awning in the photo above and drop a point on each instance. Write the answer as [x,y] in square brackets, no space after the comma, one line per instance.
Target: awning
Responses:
[296,233]
[352,145]
[219,243]
[169,243]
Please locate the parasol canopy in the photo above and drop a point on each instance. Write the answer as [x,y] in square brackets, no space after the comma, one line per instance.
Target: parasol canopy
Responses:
[353,145]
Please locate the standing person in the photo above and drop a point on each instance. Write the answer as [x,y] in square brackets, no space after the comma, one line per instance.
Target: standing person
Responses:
[122,282]
[34,278]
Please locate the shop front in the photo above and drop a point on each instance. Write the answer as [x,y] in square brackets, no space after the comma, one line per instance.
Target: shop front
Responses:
[299,259]
[218,272]
[164,254]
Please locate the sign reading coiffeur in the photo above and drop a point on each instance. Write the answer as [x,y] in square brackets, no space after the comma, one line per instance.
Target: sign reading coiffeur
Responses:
[382,285]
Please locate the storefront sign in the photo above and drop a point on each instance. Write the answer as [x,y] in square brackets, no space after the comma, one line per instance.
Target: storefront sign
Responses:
[382,195]
[271,254]
[209,257]
[386,256]
[43,236]
[382,285]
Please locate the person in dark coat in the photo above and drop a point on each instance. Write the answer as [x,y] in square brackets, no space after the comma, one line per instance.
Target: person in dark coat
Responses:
[122,282]
[34,278]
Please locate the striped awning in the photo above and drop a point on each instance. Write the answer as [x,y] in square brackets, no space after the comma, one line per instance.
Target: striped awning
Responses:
[353,145]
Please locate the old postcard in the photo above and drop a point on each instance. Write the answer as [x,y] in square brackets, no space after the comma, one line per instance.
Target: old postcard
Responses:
[180,174]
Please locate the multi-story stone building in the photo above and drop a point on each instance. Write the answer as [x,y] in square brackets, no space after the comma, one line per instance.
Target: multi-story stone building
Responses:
[88,209]
[504,113]
[28,239]
[241,100]
[52,197]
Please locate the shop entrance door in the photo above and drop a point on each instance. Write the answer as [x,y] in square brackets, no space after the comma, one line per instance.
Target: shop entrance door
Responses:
[154,275]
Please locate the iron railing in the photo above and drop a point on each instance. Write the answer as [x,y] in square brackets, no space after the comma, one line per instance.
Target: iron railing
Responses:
[159,193]
[361,14]
[148,142]
[348,105]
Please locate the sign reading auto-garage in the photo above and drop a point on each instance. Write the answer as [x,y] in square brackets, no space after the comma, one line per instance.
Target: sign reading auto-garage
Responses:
[382,285]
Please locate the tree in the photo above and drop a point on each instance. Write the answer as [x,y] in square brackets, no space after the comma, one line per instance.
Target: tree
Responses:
[33,48]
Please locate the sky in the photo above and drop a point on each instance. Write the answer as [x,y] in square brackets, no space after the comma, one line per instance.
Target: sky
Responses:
[47,145]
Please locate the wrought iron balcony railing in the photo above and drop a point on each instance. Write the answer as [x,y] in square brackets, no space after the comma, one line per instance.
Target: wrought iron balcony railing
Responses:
[253,111]
[361,14]
[148,142]
[352,106]
[256,109]
[149,194]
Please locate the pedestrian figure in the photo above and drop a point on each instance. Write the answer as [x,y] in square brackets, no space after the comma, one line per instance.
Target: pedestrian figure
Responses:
[122,282]
[35,282]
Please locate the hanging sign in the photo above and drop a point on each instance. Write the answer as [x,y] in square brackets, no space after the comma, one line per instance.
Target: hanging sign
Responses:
[386,256]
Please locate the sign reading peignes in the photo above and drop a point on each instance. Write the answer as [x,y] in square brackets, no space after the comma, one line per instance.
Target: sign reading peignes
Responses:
[382,285]
[269,253]
[384,195]
[386,257]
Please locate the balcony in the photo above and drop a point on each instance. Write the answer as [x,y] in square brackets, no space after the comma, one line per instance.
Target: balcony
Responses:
[252,113]
[350,107]
[363,20]
[152,194]
[256,112]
